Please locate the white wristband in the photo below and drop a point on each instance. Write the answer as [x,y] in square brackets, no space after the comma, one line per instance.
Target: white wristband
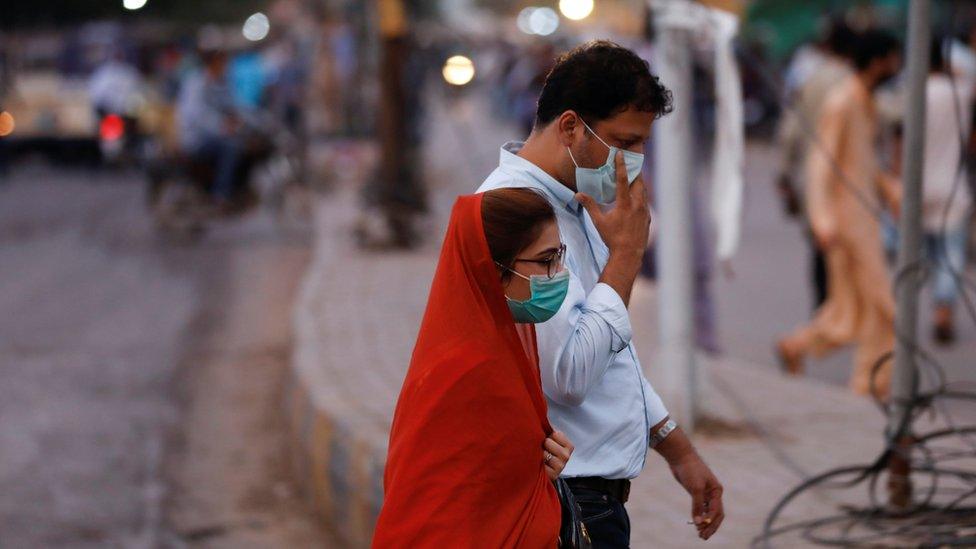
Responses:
[663,432]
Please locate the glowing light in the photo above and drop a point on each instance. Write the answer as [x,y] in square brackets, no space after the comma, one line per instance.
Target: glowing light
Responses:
[133,4]
[6,123]
[522,22]
[256,27]
[543,21]
[576,9]
[458,70]
[112,127]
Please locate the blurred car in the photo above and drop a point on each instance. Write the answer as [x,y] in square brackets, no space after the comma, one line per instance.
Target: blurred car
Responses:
[49,103]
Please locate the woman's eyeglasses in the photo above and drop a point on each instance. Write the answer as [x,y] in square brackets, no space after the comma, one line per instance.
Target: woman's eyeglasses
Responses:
[553,263]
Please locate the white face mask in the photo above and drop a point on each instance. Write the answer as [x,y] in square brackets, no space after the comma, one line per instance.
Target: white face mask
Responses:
[601,183]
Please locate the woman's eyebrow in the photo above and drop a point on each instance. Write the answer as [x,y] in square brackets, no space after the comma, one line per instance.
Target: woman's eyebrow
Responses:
[544,254]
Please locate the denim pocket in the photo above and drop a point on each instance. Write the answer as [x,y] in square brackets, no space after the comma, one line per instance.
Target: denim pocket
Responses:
[594,507]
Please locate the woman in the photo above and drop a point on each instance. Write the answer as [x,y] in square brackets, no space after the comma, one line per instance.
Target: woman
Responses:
[471,452]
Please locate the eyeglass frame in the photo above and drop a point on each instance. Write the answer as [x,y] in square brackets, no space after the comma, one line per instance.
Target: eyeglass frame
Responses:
[556,259]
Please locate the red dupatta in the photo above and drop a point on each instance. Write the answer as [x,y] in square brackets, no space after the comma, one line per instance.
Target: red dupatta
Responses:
[465,466]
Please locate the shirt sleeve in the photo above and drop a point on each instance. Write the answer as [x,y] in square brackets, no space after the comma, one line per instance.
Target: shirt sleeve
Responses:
[577,345]
[656,411]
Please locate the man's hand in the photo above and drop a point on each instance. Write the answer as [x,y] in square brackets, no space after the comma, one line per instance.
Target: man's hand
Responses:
[624,229]
[696,478]
[705,491]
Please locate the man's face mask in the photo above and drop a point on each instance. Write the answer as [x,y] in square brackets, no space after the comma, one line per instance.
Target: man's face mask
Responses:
[601,183]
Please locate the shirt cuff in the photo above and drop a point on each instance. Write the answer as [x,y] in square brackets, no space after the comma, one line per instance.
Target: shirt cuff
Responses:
[606,303]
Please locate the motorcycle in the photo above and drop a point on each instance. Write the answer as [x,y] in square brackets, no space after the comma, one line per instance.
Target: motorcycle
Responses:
[118,138]
[179,189]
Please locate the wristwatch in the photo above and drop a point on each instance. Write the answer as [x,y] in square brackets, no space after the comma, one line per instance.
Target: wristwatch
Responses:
[662,433]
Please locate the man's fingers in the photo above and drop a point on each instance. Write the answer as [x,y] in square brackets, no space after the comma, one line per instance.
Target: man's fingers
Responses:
[638,191]
[589,205]
[714,513]
[712,527]
[623,185]
[697,505]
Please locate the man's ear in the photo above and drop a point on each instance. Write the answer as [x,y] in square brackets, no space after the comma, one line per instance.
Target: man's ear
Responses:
[566,126]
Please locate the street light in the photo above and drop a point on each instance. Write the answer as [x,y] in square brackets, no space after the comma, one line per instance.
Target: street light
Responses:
[133,4]
[544,21]
[541,21]
[256,27]
[6,123]
[576,9]
[458,70]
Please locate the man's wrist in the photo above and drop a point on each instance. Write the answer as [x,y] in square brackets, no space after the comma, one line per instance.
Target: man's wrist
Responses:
[676,448]
[627,257]
[660,434]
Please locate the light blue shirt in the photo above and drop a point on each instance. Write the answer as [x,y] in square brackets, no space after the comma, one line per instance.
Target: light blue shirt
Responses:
[591,376]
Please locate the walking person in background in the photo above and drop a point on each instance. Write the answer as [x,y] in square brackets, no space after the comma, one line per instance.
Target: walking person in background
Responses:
[592,120]
[832,66]
[472,454]
[843,184]
[946,200]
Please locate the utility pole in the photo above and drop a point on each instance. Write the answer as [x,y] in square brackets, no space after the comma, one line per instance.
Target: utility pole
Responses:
[397,192]
[904,378]
[673,176]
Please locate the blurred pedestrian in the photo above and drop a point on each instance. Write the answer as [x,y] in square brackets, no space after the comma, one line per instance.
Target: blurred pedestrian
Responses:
[946,200]
[113,87]
[592,120]
[823,68]
[207,119]
[248,78]
[843,184]
[472,452]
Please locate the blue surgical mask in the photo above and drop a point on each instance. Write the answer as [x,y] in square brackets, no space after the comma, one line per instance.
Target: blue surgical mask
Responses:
[601,183]
[547,295]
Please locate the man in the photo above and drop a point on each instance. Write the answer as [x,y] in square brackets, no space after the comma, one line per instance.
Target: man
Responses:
[832,68]
[207,121]
[113,86]
[946,195]
[844,181]
[599,96]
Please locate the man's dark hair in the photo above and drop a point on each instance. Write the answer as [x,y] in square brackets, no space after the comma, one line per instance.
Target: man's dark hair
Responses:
[873,44]
[598,80]
[839,36]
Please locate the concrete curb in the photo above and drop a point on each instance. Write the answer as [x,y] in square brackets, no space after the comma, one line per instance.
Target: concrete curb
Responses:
[339,456]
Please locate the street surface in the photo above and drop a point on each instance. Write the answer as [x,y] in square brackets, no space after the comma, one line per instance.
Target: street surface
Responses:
[139,402]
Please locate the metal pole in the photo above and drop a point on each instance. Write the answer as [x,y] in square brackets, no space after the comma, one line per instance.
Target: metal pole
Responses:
[673,178]
[908,283]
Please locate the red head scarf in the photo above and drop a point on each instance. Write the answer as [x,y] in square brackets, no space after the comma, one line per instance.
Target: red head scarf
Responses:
[465,462]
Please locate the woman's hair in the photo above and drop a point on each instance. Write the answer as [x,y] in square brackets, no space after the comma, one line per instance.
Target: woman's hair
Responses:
[513,218]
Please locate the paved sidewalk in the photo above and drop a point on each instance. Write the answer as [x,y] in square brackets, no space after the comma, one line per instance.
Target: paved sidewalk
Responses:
[356,322]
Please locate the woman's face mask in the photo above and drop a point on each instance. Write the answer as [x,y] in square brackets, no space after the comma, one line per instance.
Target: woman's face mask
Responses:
[601,183]
[547,295]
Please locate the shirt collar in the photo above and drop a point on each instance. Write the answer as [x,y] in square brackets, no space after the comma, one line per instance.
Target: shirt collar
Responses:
[510,160]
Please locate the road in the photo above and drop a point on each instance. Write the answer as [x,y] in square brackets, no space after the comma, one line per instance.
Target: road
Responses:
[139,402]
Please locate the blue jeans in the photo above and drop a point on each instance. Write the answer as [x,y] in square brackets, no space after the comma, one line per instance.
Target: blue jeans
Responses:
[944,250]
[226,155]
[605,519]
